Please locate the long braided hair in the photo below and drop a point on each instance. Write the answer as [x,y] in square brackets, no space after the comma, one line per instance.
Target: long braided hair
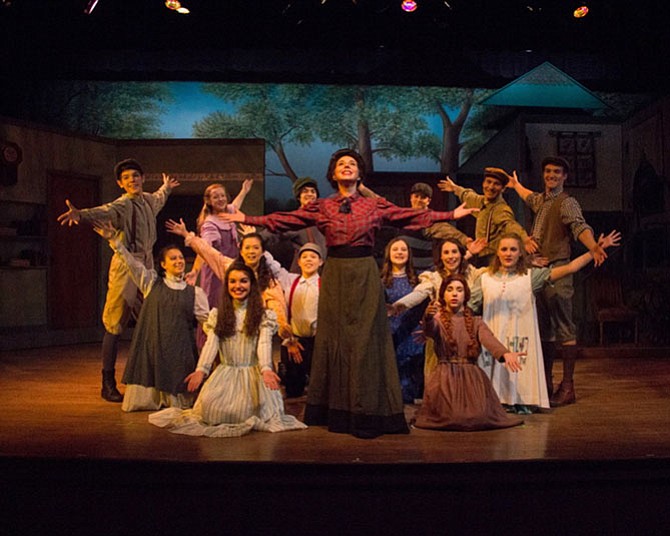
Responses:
[226,321]
[446,316]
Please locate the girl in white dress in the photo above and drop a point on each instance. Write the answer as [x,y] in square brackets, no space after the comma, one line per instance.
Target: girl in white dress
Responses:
[507,291]
[242,394]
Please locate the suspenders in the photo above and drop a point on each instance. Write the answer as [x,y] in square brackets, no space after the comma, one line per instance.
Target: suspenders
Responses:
[294,285]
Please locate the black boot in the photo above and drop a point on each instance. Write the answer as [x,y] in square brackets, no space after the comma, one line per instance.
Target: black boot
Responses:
[549,353]
[109,391]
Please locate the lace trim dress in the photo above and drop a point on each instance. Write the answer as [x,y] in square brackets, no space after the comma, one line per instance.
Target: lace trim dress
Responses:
[234,400]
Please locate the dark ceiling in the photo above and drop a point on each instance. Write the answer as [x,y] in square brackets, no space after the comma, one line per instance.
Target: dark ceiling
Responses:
[619,46]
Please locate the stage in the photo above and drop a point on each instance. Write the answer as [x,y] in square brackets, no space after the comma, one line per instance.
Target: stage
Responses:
[73,463]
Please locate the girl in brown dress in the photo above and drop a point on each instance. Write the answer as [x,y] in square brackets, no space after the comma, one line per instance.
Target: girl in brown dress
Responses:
[458,394]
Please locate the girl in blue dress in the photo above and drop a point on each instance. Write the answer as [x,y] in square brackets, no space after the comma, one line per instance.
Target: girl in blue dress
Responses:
[398,280]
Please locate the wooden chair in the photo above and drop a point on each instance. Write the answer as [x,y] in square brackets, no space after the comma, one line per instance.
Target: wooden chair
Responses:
[608,304]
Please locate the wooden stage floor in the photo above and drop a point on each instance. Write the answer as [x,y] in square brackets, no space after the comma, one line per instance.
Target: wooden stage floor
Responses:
[606,457]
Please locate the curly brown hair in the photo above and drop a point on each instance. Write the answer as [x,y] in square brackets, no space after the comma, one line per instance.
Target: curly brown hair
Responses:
[226,321]
[446,316]
[437,257]
[387,268]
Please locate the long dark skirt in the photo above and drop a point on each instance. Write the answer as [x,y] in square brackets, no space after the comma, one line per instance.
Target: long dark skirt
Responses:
[354,386]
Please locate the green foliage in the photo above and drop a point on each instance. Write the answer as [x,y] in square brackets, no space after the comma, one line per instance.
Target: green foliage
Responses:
[375,120]
[277,113]
[111,109]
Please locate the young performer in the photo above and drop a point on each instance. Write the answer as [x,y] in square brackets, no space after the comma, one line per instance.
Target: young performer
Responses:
[398,280]
[163,349]
[496,216]
[219,234]
[558,221]
[508,290]
[242,394]
[302,299]
[458,394]
[134,214]
[354,384]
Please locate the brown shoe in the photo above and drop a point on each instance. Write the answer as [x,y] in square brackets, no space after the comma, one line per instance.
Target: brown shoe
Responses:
[564,396]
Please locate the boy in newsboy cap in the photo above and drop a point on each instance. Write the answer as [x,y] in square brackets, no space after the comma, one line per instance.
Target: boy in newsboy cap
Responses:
[496,217]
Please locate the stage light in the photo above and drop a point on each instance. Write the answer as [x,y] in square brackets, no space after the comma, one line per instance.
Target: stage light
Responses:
[580,12]
[90,6]
[408,5]
[175,5]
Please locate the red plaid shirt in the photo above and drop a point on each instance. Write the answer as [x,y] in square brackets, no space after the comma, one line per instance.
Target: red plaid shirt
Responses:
[356,228]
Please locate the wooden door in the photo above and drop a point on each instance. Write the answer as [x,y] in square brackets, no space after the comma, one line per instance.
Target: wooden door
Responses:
[73,254]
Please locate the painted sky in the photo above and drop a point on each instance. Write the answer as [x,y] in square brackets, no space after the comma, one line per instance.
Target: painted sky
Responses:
[191,104]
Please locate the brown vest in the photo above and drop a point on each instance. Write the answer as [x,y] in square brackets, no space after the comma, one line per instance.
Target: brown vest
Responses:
[556,239]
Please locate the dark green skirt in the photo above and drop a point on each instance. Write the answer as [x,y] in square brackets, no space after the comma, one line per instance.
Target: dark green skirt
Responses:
[354,386]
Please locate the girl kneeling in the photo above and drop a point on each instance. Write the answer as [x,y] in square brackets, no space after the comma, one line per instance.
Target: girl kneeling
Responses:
[242,394]
[458,394]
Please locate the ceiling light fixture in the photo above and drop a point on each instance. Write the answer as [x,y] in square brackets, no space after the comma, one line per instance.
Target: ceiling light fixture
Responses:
[408,5]
[175,5]
[580,12]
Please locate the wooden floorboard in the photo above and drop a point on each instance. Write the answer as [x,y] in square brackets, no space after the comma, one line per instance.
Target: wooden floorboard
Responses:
[69,460]
[52,408]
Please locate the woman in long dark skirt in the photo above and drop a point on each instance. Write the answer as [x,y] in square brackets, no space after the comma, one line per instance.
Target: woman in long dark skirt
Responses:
[354,386]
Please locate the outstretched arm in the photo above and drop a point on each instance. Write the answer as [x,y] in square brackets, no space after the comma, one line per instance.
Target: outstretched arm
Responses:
[597,251]
[71,217]
[140,274]
[509,359]
[516,185]
[576,264]
[447,185]
[461,211]
[236,217]
[246,188]
[217,262]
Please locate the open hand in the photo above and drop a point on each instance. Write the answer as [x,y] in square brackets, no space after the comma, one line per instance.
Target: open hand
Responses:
[105,229]
[194,380]
[270,379]
[71,217]
[461,211]
[294,347]
[512,362]
[610,240]
[178,228]
[447,185]
[170,182]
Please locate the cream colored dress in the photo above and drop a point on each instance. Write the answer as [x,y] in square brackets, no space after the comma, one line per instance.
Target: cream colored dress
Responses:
[509,311]
[234,400]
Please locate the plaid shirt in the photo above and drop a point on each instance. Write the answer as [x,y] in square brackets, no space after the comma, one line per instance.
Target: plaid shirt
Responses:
[571,213]
[357,227]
